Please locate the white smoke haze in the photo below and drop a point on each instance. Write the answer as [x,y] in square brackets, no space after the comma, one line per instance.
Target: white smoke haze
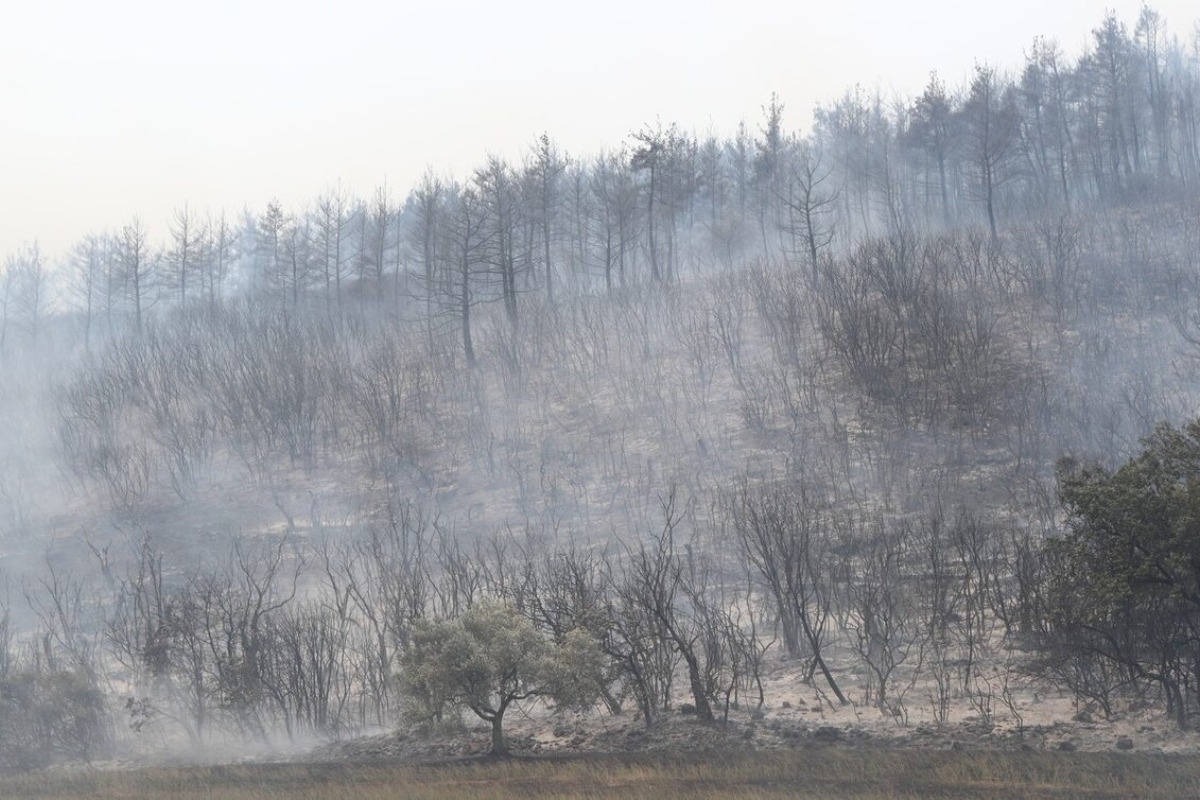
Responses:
[134,109]
[245,455]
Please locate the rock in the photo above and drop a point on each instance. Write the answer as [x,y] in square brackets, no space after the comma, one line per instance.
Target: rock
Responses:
[1124,743]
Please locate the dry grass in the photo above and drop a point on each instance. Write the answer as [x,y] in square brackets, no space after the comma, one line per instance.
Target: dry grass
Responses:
[821,772]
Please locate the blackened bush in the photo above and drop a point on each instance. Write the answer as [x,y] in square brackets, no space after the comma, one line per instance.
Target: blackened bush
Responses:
[48,717]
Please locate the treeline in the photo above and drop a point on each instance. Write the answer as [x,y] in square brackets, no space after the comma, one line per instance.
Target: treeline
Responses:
[1116,124]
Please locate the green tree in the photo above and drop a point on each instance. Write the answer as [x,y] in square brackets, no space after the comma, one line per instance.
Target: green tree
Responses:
[1123,590]
[491,657]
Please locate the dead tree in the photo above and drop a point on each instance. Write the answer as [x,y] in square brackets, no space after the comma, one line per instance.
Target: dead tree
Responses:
[782,534]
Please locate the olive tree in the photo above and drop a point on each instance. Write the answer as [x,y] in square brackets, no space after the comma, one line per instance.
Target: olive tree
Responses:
[491,657]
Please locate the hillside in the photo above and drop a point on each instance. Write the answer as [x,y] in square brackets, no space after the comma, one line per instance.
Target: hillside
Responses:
[774,415]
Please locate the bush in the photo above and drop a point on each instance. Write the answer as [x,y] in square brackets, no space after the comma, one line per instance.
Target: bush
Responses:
[46,717]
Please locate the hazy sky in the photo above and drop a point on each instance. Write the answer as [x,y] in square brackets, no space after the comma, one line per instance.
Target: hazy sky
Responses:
[133,107]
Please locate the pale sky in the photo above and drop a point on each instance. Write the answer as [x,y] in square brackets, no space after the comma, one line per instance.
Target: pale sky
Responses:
[116,108]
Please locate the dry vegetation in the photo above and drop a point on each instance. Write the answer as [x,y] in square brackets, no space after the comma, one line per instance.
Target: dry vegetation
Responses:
[813,773]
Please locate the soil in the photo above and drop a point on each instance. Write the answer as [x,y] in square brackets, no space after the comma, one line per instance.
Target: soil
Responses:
[799,717]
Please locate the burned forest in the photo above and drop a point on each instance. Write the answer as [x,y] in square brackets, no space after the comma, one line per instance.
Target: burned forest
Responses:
[893,412]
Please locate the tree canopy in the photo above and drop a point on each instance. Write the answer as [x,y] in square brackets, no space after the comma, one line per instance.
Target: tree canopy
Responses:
[492,656]
[1124,593]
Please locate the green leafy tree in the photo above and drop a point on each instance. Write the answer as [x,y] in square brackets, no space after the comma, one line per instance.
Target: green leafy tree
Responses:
[1123,590]
[491,657]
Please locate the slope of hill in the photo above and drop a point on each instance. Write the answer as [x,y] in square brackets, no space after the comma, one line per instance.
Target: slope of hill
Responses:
[751,415]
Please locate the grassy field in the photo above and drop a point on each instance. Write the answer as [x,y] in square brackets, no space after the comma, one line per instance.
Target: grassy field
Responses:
[825,772]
